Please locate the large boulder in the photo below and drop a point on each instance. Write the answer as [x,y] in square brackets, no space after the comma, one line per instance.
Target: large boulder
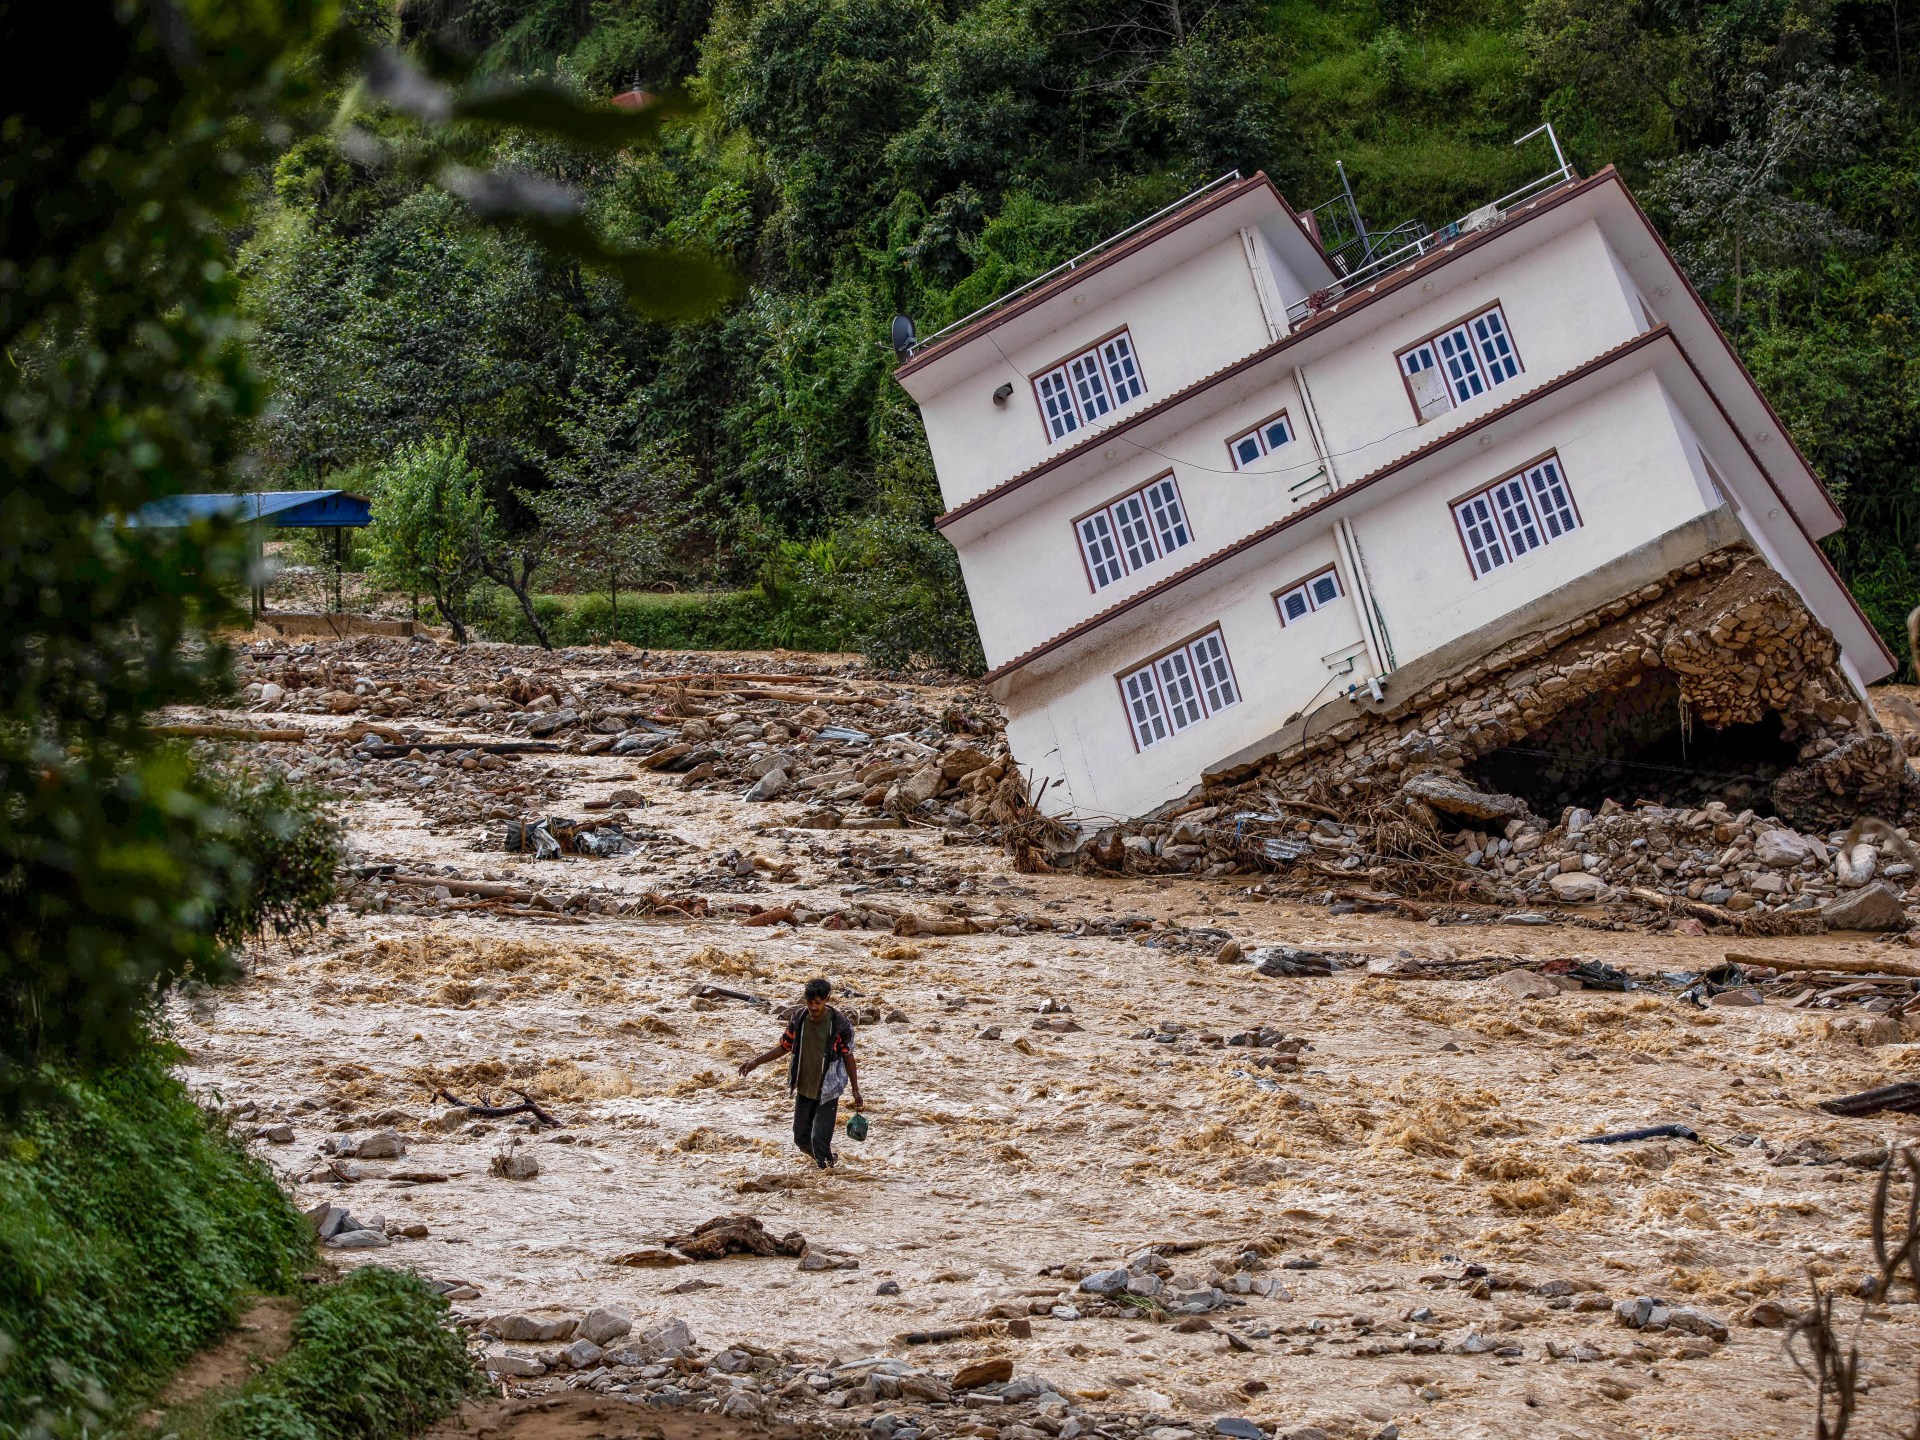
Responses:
[1449,793]
[1877,907]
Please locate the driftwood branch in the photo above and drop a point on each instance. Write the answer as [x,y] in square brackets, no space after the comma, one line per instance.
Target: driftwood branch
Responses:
[527,1106]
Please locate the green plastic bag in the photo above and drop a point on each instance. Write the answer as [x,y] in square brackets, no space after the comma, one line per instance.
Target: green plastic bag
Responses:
[856,1126]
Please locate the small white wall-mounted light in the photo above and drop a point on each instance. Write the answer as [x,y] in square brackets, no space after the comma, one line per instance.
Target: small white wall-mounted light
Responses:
[1763,437]
[1000,395]
[1773,514]
[1108,453]
[1426,285]
[1663,290]
[1485,440]
[1079,299]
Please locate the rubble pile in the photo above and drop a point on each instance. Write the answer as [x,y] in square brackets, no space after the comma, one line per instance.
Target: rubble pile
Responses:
[1383,799]
[860,753]
[1725,630]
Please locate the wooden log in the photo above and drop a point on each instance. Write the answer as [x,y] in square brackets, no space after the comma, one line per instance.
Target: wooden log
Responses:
[1839,965]
[227,732]
[744,678]
[492,889]
[485,747]
[1695,909]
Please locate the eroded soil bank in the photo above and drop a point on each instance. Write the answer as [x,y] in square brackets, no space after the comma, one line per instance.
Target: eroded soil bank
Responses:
[1438,1253]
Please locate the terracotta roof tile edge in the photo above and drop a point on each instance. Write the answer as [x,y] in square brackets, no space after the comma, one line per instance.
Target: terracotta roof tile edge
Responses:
[1307,512]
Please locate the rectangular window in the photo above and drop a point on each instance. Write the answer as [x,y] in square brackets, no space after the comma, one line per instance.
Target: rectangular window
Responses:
[1265,438]
[1460,363]
[1296,602]
[1135,530]
[1085,387]
[1179,689]
[1096,543]
[1515,516]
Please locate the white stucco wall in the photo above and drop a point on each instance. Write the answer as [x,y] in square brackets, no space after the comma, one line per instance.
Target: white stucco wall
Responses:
[1185,324]
[1564,304]
[1078,725]
[1632,478]
[1026,577]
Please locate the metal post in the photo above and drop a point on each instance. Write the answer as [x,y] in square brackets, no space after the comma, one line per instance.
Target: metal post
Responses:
[1553,140]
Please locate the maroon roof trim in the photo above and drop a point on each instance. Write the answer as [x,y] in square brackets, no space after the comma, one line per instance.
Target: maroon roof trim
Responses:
[1307,512]
[1379,290]
[1053,287]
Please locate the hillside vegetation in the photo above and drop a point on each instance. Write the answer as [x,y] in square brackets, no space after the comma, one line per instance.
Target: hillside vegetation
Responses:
[855,158]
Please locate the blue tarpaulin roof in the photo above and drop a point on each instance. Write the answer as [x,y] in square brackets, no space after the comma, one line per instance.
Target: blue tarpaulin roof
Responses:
[304,508]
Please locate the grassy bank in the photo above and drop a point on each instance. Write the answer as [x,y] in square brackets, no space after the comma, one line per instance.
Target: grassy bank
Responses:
[705,620]
[370,1360]
[131,1229]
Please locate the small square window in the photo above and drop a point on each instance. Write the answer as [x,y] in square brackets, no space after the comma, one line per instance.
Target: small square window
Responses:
[1266,437]
[1298,601]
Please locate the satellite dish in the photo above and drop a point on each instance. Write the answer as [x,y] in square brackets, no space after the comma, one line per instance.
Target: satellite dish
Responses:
[903,338]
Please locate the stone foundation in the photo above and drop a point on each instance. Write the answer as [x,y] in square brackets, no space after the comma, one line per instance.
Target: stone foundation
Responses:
[1712,648]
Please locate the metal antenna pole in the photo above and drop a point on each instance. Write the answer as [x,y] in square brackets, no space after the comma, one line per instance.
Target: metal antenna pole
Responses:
[1353,210]
[1553,140]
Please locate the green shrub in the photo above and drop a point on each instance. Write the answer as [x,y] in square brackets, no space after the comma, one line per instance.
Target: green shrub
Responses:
[726,620]
[290,848]
[129,1228]
[372,1358]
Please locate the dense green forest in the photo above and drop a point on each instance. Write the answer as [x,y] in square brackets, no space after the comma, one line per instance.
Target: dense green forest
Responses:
[851,159]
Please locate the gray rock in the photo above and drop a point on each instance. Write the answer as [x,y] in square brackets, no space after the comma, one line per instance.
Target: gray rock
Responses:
[542,725]
[603,1324]
[827,1260]
[1634,1314]
[582,1355]
[1743,996]
[358,1240]
[529,1328]
[1143,1284]
[326,1218]
[888,1287]
[515,1366]
[1877,907]
[769,786]
[277,1134]
[1697,1322]
[1577,887]
[1235,1428]
[1475,1344]
[1105,1282]
[1781,849]
[1447,792]
[667,1341]
[380,1145]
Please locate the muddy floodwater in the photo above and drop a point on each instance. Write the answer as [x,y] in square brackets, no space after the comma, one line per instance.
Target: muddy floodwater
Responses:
[1412,1171]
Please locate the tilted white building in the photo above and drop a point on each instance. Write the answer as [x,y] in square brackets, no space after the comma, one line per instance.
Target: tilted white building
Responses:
[1200,484]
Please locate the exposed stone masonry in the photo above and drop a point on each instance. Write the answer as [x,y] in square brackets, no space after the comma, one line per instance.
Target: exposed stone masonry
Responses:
[1725,631]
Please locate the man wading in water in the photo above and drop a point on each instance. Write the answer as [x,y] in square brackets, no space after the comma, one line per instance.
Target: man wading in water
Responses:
[820,1041]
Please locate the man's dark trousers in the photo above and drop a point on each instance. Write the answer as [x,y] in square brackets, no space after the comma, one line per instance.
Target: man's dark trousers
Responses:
[813,1127]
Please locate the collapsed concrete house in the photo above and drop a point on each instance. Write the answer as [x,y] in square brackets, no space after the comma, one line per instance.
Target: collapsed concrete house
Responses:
[1302,520]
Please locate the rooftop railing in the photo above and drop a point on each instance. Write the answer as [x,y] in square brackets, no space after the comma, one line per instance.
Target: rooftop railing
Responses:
[1075,263]
[1484,218]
